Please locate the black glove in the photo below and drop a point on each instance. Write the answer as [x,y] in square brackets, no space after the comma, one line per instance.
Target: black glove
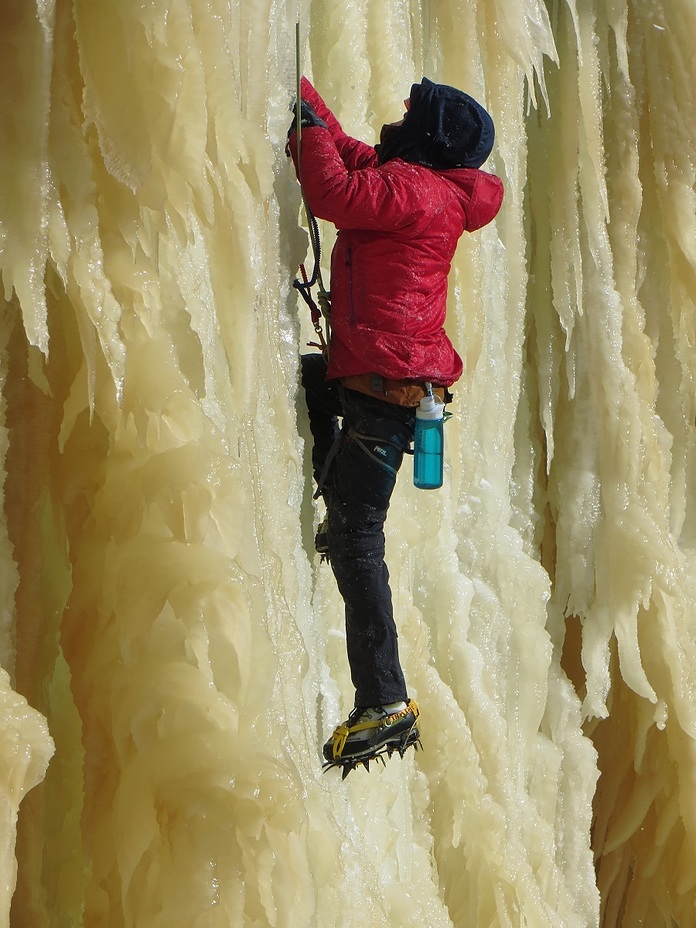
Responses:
[308,118]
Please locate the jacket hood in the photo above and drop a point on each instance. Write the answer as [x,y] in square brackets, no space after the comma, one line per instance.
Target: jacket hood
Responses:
[480,194]
[444,128]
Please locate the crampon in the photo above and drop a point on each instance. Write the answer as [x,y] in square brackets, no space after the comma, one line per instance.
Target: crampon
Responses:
[370,734]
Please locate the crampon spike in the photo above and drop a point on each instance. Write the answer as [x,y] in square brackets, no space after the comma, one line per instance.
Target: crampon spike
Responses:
[350,763]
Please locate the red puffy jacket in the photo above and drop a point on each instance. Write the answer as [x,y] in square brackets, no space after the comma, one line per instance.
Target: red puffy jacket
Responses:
[398,226]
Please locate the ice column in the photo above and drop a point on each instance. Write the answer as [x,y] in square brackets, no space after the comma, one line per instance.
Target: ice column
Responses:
[163,611]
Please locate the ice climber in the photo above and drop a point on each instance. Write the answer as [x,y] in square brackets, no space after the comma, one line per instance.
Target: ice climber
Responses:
[399,208]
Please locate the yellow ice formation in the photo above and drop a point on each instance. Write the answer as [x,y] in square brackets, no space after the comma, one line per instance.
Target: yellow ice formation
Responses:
[163,613]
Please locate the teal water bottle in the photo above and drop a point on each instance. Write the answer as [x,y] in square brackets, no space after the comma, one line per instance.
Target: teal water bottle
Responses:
[428,443]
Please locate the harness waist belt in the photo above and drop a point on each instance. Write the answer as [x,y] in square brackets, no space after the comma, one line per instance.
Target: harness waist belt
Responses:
[399,392]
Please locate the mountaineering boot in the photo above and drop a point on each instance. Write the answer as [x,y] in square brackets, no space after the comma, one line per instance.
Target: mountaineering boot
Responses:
[321,539]
[370,732]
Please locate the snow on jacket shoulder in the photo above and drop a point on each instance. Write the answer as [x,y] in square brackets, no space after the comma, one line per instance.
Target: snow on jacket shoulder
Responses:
[398,227]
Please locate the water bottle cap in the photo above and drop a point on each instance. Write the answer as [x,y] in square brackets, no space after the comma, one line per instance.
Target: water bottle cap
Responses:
[430,408]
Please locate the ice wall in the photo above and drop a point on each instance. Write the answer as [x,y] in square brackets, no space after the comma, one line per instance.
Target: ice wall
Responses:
[162,608]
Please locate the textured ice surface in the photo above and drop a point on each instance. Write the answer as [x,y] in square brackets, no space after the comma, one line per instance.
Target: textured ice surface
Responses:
[162,607]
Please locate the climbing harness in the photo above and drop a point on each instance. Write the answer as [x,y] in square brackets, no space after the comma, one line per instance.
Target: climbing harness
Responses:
[406,392]
[384,452]
[305,284]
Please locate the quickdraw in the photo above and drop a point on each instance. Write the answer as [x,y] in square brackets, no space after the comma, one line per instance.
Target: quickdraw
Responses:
[304,287]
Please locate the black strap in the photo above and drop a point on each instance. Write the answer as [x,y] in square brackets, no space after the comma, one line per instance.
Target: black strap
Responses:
[333,451]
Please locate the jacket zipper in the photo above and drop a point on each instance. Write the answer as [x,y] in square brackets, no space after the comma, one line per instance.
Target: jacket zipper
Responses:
[351,301]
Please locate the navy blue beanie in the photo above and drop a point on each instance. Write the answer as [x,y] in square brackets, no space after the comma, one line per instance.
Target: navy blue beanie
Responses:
[444,128]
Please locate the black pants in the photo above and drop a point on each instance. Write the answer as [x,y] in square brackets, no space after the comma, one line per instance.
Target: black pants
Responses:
[357,488]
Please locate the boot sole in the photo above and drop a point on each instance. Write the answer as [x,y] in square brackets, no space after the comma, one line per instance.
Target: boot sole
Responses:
[398,743]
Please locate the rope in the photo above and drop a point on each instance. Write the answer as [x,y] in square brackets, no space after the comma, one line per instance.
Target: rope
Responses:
[304,286]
